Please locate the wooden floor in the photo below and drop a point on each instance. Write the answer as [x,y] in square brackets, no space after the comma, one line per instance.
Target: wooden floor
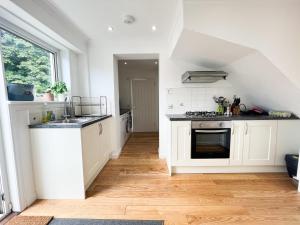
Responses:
[136,186]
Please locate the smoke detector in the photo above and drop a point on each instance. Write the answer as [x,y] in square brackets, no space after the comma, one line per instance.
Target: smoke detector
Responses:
[128,19]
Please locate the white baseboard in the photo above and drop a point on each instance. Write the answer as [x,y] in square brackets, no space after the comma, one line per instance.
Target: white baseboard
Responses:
[161,156]
[228,169]
[115,155]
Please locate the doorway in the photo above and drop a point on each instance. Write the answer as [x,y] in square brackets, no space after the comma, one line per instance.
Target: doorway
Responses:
[138,93]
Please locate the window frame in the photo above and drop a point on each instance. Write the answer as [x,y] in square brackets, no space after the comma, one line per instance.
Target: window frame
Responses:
[19,32]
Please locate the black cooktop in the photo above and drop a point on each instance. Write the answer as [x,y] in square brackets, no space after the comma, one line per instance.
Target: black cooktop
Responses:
[202,114]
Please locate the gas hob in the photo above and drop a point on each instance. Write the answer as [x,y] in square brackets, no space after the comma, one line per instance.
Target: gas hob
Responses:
[202,114]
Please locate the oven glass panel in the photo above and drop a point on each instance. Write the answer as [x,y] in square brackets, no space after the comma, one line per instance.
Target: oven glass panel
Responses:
[210,143]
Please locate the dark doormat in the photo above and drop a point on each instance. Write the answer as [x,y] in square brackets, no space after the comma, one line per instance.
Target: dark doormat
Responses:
[104,222]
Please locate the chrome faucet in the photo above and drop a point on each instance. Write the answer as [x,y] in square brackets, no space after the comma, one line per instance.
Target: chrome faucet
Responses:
[67,109]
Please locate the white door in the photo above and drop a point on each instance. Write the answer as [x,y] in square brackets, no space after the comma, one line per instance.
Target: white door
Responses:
[4,195]
[181,141]
[237,143]
[144,105]
[260,142]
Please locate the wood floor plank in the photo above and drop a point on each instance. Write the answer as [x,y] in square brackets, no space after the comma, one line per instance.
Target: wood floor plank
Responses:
[137,186]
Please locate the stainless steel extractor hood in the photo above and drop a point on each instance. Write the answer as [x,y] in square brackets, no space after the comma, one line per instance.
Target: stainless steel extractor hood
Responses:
[203,76]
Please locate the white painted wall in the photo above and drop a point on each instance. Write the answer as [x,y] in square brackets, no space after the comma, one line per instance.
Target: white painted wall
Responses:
[271,28]
[264,84]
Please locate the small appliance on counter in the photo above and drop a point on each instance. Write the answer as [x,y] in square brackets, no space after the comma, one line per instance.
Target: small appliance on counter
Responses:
[20,92]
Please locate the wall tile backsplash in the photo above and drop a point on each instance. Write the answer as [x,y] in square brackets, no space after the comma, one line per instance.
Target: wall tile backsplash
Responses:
[180,100]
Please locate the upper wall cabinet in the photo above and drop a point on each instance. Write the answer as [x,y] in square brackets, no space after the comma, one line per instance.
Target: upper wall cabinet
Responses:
[288,140]
[260,142]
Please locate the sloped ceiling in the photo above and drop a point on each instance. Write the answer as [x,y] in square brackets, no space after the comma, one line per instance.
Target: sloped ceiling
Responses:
[204,50]
[254,74]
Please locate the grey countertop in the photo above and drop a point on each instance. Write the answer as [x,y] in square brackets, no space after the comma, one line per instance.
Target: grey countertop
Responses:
[183,117]
[123,111]
[70,125]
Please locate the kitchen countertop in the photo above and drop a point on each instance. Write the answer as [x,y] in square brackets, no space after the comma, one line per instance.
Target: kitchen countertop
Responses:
[124,111]
[183,117]
[70,125]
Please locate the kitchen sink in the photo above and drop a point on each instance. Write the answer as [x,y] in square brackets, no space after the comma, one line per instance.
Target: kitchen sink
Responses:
[71,120]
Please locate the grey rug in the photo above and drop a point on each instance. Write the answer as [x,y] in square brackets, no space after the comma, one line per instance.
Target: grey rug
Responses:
[104,222]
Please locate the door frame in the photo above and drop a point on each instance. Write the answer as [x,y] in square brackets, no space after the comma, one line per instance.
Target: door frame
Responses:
[131,98]
[6,203]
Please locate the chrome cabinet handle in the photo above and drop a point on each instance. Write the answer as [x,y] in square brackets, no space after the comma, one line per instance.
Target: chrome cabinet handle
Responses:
[211,131]
[246,132]
[100,128]
[233,131]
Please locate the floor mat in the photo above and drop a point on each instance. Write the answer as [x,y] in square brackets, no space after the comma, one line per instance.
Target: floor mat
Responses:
[104,222]
[29,220]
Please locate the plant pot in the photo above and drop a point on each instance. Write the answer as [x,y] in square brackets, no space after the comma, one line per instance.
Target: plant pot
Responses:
[60,97]
[48,97]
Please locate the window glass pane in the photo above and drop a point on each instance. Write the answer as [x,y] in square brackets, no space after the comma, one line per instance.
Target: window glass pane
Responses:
[26,63]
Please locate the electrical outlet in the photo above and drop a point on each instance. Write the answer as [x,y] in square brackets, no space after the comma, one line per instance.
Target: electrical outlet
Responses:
[35,118]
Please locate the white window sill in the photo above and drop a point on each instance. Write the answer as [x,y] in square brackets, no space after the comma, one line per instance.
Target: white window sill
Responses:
[32,102]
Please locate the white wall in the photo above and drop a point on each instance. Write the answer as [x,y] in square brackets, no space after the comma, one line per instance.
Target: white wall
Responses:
[269,26]
[264,84]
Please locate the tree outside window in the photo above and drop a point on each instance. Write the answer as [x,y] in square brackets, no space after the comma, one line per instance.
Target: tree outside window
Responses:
[26,63]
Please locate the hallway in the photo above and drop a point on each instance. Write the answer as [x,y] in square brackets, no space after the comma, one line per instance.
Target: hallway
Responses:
[136,186]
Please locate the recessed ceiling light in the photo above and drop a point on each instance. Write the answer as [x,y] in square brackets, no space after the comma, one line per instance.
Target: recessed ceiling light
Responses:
[154,28]
[125,63]
[110,28]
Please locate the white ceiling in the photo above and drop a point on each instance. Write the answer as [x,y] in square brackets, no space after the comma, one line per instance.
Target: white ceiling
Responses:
[94,16]
[138,65]
[208,51]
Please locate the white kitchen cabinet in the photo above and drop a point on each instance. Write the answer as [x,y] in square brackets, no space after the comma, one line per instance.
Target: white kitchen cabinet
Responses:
[181,141]
[67,160]
[95,148]
[288,140]
[259,142]
[237,142]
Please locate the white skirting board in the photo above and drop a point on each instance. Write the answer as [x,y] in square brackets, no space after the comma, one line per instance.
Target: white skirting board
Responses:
[228,169]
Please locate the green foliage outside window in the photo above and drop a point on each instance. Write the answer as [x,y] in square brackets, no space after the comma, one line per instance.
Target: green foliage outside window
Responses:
[25,62]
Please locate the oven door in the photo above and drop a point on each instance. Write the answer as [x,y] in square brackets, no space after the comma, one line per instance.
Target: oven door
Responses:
[210,143]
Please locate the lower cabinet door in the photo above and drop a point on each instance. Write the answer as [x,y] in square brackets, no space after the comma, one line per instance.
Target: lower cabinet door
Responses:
[237,143]
[181,141]
[91,152]
[259,142]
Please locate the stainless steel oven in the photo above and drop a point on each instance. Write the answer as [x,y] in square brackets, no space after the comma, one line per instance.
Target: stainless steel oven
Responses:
[210,139]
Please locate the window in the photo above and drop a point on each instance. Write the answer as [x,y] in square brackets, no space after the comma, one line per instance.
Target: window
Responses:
[26,62]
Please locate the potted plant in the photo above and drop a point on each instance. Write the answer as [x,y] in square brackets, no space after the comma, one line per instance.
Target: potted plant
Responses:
[59,89]
[48,96]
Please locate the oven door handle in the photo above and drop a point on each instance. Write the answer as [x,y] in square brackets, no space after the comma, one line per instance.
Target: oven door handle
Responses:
[211,131]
